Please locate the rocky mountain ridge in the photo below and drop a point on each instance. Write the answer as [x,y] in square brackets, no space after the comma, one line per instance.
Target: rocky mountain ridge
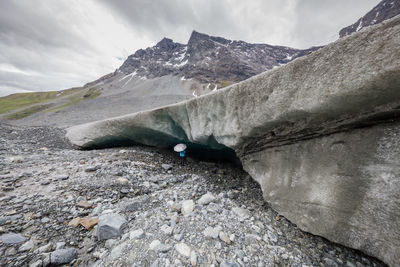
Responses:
[386,9]
[208,59]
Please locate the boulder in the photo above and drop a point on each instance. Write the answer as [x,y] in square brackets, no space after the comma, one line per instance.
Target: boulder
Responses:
[320,135]
[111,225]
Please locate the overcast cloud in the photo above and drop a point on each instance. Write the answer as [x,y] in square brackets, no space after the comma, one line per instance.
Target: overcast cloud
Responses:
[52,45]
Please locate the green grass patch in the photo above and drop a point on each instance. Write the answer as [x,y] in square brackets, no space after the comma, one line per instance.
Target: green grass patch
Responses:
[27,112]
[224,83]
[20,100]
[74,99]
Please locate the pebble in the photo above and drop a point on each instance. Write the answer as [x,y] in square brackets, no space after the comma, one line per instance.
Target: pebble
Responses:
[45,182]
[166,229]
[206,199]
[212,232]
[37,263]
[63,256]
[62,177]
[224,237]
[136,234]
[241,213]
[183,249]
[92,168]
[110,225]
[225,263]
[26,246]
[193,258]
[187,207]
[166,167]
[154,244]
[84,204]
[12,238]
[45,248]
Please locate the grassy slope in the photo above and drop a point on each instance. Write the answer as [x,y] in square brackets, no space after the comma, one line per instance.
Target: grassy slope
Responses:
[39,101]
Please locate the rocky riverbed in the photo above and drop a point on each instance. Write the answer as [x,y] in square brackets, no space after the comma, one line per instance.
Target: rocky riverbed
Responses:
[140,206]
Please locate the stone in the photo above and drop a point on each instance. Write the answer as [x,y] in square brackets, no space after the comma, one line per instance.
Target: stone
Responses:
[166,167]
[206,199]
[136,234]
[84,204]
[183,249]
[212,232]
[226,263]
[122,180]
[224,237]
[241,213]
[319,138]
[110,225]
[154,244]
[26,246]
[63,256]
[12,238]
[193,258]
[45,248]
[45,182]
[37,263]
[89,222]
[187,207]
[166,229]
[117,251]
[110,243]
[62,177]
[45,220]
[92,168]
[60,245]
[74,222]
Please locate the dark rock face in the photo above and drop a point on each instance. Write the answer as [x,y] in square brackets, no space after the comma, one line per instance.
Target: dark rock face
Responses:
[208,59]
[386,9]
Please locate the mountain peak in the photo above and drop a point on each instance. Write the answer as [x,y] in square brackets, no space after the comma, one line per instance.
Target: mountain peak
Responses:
[197,36]
[386,9]
[166,44]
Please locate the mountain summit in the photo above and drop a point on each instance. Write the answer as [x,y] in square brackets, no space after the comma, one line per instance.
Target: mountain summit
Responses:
[208,59]
[386,9]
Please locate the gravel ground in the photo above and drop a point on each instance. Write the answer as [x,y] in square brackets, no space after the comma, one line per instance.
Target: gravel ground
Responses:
[140,206]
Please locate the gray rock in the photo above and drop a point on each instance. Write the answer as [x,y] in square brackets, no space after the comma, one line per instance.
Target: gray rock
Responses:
[225,263]
[309,133]
[92,168]
[187,207]
[110,225]
[166,167]
[110,243]
[241,213]
[60,245]
[26,246]
[117,251]
[11,218]
[183,249]
[206,199]
[62,177]
[212,232]
[166,229]
[37,263]
[136,234]
[163,248]
[63,256]
[45,220]
[12,238]
[45,248]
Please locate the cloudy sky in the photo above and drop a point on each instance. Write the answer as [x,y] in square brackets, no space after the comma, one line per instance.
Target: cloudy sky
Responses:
[52,45]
